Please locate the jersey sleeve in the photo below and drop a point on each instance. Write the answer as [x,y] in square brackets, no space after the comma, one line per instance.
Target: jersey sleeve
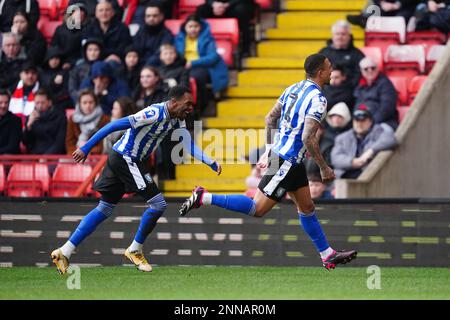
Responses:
[282,98]
[318,109]
[144,117]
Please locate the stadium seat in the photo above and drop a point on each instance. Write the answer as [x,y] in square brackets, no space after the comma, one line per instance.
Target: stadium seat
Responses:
[414,86]
[375,54]
[426,38]
[225,29]
[173,25]
[404,60]
[69,113]
[401,113]
[225,50]
[49,9]
[401,86]
[2,178]
[265,4]
[48,29]
[67,178]
[433,55]
[383,31]
[193,87]
[187,7]
[27,180]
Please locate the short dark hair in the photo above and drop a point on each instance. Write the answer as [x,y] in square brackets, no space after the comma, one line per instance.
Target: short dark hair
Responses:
[314,63]
[5,92]
[154,4]
[127,105]
[87,92]
[340,68]
[177,92]
[193,17]
[43,92]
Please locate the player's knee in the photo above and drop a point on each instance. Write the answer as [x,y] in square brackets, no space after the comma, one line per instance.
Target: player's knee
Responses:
[157,203]
[307,207]
[106,208]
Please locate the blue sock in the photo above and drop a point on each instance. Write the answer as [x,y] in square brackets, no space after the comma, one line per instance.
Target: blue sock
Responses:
[312,227]
[235,202]
[91,221]
[148,223]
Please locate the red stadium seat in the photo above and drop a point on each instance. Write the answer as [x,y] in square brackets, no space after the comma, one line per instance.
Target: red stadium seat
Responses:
[414,87]
[433,55]
[225,29]
[173,25]
[2,178]
[404,60]
[48,29]
[384,31]
[187,7]
[401,113]
[49,8]
[67,178]
[27,180]
[193,87]
[375,54]
[265,4]
[427,38]
[401,86]
[225,50]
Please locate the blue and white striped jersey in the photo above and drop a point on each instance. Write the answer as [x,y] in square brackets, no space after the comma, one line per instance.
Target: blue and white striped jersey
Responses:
[148,128]
[299,101]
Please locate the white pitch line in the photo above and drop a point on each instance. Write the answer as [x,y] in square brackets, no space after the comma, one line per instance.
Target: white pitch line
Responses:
[184,252]
[185,236]
[201,236]
[210,253]
[71,218]
[219,236]
[230,221]
[26,234]
[126,219]
[118,251]
[6,249]
[62,234]
[41,264]
[28,217]
[159,252]
[235,236]
[163,235]
[6,264]
[190,220]
[116,235]
[235,253]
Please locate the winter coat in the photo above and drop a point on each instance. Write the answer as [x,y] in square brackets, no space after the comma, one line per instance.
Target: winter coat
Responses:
[69,43]
[380,98]
[158,95]
[209,58]
[73,132]
[10,71]
[341,93]
[10,133]
[9,9]
[47,134]
[148,40]
[380,137]
[175,71]
[35,46]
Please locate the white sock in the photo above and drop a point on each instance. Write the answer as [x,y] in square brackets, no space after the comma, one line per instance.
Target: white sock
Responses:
[67,249]
[207,198]
[325,253]
[136,246]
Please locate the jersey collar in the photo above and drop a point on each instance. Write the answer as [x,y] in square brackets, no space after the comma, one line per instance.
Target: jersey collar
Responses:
[318,87]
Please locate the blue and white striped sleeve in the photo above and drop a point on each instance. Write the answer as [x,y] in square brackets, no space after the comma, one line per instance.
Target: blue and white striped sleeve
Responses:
[144,117]
[318,109]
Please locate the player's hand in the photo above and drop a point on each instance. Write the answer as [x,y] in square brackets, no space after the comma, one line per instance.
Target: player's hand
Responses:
[218,168]
[263,162]
[79,156]
[327,174]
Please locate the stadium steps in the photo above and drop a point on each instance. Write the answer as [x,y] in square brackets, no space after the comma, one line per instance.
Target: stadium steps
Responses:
[301,30]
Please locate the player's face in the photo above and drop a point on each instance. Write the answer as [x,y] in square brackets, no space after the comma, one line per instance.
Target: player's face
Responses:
[325,73]
[184,106]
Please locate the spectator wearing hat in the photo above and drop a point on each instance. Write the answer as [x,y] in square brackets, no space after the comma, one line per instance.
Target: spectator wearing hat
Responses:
[340,88]
[45,129]
[8,9]
[113,33]
[11,60]
[10,126]
[377,93]
[130,68]
[354,149]
[341,51]
[106,86]
[152,35]
[92,52]
[22,100]
[55,79]
[68,35]
[32,40]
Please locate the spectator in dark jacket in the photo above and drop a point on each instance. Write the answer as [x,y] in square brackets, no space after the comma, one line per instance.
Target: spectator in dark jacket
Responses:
[10,127]
[92,52]
[152,35]
[172,68]
[150,89]
[45,130]
[129,71]
[8,9]
[105,85]
[433,14]
[55,79]
[11,61]
[32,40]
[341,51]
[68,38]
[378,93]
[243,10]
[340,88]
[355,148]
[113,33]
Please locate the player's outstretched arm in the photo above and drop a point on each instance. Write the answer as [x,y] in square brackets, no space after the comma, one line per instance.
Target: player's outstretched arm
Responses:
[198,153]
[80,154]
[312,144]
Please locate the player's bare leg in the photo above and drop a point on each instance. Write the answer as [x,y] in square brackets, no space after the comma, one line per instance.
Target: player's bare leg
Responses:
[311,225]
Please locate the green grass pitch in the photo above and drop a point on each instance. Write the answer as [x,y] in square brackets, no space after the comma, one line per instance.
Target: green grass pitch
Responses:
[202,282]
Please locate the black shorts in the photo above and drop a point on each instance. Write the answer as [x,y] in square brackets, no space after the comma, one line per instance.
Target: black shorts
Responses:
[122,175]
[282,177]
